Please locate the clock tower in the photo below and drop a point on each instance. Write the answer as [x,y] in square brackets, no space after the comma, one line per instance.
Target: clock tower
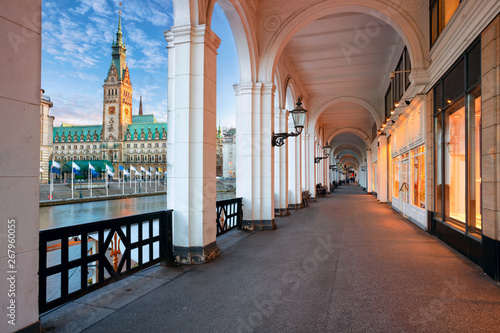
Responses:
[117,102]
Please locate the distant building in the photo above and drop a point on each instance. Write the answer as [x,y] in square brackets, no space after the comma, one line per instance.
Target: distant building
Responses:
[229,153]
[122,138]
[46,147]
[219,152]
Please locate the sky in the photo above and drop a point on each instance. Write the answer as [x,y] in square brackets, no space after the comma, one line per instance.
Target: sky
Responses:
[76,55]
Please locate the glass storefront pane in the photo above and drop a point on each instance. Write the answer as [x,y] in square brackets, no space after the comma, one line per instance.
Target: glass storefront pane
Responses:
[454,155]
[434,23]
[438,98]
[454,84]
[438,167]
[474,109]
[474,66]
[419,178]
[395,177]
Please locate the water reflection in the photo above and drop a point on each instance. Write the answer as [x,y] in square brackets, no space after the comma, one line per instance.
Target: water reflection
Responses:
[79,213]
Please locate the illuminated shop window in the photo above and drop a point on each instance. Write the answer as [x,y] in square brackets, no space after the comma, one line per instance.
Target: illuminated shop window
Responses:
[418,162]
[457,142]
[395,176]
[441,12]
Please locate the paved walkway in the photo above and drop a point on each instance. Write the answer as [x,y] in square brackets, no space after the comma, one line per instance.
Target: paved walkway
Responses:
[345,264]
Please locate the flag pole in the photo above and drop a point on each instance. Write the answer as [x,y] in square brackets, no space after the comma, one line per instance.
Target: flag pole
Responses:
[51,181]
[106,173]
[72,177]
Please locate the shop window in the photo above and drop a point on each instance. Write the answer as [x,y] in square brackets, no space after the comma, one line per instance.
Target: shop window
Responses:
[419,177]
[454,84]
[441,12]
[474,66]
[454,157]
[438,140]
[395,177]
[474,167]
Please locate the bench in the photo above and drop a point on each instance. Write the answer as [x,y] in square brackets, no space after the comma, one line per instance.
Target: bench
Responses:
[305,198]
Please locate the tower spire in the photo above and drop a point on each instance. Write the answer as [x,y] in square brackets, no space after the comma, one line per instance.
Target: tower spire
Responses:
[140,107]
[119,32]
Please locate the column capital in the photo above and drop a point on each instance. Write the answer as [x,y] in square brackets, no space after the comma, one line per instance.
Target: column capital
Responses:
[192,33]
[268,88]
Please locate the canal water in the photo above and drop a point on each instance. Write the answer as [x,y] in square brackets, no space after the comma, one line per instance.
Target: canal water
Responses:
[79,213]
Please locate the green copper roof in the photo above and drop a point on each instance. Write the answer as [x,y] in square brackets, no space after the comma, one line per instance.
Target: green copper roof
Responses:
[135,131]
[144,119]
[71,130]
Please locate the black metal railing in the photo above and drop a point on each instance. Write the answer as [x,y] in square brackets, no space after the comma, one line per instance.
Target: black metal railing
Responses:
[78,259]
[229,215]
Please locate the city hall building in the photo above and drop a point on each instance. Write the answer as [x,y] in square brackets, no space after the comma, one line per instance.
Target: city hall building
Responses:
[123,138]
[404,94]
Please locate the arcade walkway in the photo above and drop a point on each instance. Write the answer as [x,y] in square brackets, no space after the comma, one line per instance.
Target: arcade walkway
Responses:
[345,264]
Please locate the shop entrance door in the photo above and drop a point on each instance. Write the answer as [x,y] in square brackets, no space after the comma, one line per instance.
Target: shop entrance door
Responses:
[404,190]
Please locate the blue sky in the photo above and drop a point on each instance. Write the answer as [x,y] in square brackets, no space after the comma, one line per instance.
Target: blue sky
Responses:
[76,54]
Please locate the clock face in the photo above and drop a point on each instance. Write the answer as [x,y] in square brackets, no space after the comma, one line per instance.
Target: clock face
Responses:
[111,110]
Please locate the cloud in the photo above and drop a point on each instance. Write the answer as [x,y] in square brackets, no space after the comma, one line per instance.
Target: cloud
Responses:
[154,55]
[76,109]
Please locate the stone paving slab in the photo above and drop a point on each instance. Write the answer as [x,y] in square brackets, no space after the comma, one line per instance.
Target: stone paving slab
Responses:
[345,264]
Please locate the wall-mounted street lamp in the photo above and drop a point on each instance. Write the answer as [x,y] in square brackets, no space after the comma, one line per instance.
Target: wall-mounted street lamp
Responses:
[299,118]
[326,150]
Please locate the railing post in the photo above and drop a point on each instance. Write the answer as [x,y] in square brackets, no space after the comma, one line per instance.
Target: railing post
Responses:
[166,242]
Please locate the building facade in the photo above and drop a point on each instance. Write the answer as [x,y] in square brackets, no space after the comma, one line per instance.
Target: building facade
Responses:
[123,139]
[229,153]
[46,136]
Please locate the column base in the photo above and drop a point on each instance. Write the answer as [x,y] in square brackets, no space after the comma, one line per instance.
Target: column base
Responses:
[281,212]
[295,206]
[196,254]
[258,225]
[35,327]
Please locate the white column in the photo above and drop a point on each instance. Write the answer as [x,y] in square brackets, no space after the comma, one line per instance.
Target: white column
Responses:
[255,154]
[382,169]
[281,165]
[20,162]
[303,162]
[191,145]
[369,172]
[327,174]
[294,172]
[311,165]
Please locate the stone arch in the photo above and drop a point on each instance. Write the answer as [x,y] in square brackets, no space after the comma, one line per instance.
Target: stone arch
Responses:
[360,133]
[342,99]
[398,18]
[345,148]
[280,92]
[243,32]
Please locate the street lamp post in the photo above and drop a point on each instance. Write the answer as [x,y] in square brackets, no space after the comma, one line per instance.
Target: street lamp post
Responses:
[299,118]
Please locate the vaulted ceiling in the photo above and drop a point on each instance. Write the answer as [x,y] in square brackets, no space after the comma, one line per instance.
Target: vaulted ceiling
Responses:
[345,55]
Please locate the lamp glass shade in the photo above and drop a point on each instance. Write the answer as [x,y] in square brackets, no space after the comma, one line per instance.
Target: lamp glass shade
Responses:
[299,116]
[327,149]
